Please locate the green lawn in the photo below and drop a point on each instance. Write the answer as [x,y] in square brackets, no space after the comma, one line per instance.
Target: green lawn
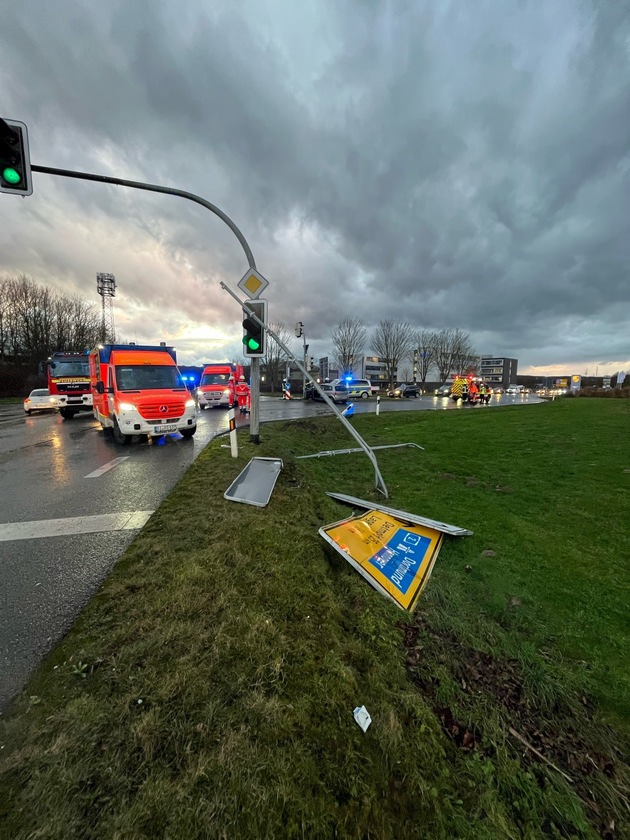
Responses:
[208,689]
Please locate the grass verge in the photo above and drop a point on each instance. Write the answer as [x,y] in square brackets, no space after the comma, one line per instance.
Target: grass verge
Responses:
[208,689]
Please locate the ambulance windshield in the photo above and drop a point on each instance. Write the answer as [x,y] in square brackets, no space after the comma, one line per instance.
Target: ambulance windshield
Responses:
[215,379]
[147,377]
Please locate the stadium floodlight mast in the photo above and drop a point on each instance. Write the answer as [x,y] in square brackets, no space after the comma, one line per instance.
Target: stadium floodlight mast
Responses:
[106,288]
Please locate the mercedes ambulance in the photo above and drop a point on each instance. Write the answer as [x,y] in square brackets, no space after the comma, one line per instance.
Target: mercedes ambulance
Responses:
[138,390]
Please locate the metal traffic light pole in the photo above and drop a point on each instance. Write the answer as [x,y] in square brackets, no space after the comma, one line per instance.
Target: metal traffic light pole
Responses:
[140,185]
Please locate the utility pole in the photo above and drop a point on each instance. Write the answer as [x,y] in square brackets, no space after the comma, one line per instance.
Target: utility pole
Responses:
[299,333]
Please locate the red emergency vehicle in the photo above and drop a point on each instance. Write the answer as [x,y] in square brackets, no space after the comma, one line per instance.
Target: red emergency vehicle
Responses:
[138,390]
[218,385]
[68,377]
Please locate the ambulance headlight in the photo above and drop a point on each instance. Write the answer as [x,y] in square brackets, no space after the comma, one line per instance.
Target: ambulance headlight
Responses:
[189,403]
[127,406]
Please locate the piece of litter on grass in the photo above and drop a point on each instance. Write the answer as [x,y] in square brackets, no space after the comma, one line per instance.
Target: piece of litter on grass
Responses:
[362,717]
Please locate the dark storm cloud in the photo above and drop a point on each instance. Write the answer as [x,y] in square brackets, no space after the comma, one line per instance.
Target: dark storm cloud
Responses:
[453,164]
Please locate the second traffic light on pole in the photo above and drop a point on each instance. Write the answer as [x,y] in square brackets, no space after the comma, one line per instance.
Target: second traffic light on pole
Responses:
[254,338]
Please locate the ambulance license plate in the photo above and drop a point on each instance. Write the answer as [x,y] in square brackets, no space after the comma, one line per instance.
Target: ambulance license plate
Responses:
[161,429]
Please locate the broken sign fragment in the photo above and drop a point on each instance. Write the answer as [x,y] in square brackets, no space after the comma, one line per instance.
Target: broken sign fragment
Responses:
[362,717]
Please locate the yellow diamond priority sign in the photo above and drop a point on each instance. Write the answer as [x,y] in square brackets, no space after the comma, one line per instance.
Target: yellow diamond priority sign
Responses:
[253,283]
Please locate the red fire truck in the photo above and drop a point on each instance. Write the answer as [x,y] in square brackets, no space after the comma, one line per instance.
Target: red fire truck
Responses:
[138,390]
[69,382]
[217,385]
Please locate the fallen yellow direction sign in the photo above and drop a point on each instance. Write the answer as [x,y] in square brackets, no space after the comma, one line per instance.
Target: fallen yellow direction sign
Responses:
[396,557]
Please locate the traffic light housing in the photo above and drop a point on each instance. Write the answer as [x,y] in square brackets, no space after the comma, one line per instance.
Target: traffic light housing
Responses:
[15,161]
[254,339]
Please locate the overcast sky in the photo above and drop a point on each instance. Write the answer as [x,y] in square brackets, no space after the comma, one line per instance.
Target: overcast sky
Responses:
[451,164]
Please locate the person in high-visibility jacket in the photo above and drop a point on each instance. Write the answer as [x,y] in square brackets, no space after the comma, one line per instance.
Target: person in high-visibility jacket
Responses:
[243,395]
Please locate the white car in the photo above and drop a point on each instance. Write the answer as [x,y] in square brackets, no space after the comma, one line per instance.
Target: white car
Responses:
[40,400]
[336,391]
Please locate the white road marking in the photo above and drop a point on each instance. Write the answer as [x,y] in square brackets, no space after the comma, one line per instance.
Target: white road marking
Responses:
[107,467]
[129,520]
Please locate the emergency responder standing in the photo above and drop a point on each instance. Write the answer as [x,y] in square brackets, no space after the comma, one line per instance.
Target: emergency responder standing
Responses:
[473,392]
[243,395]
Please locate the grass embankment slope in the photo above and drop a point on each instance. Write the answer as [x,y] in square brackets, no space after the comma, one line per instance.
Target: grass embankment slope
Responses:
[208,689]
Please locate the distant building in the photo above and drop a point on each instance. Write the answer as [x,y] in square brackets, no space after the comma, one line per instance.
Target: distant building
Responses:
[373,369]
[497,371]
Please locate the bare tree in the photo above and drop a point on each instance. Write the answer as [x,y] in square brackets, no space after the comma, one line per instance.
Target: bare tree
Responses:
[35,321]
[5,315]
[391,342]
[11,327]
[425,347]
[453,352]
[275,358]
[348,341]
[85,325]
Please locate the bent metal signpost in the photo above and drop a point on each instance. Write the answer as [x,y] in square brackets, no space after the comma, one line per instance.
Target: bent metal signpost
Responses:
[394,556]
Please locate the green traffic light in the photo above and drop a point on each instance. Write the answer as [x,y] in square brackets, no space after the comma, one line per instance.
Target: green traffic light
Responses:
[253,344]
[11,175]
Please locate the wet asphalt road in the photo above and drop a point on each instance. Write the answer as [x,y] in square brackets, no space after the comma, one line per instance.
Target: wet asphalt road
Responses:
[45,473]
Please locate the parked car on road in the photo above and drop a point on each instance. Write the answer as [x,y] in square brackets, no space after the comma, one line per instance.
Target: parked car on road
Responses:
[336,391]
[499,390]
[443,391]
[40,400]
[404,390]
